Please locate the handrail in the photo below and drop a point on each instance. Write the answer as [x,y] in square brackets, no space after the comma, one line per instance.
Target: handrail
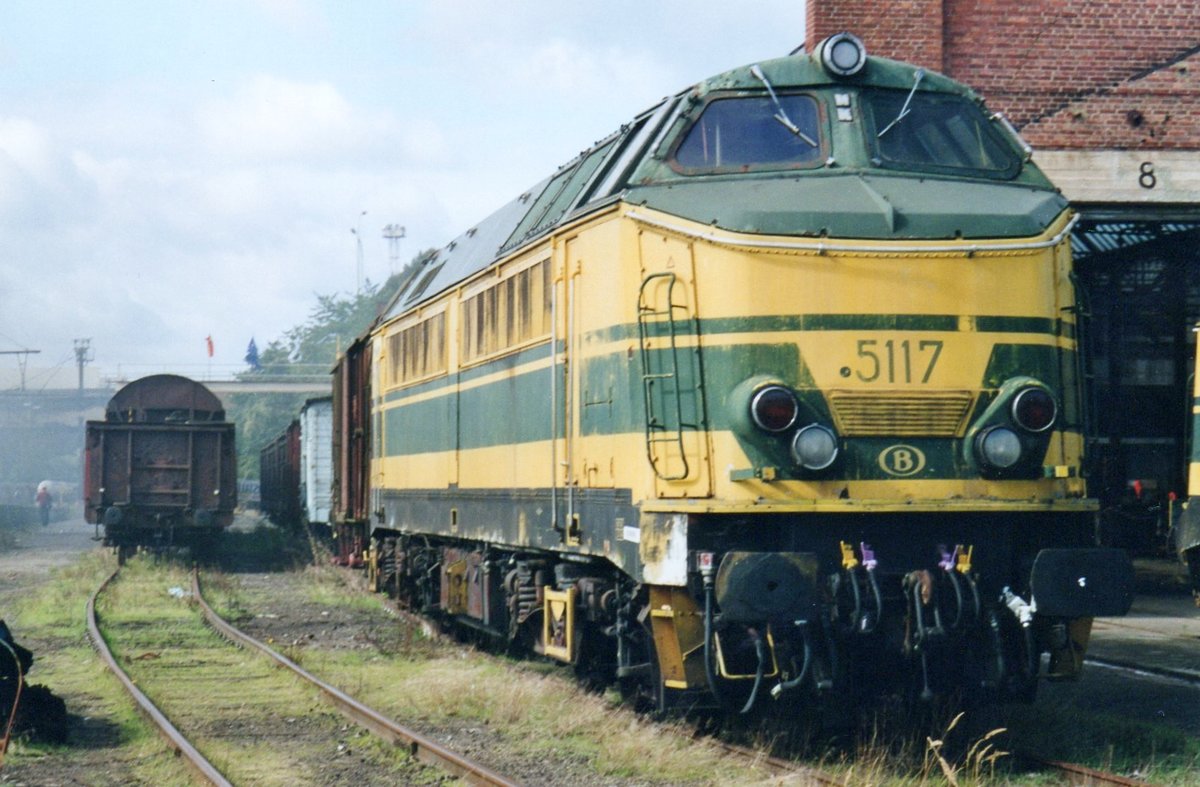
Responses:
[649,377]
[824,247]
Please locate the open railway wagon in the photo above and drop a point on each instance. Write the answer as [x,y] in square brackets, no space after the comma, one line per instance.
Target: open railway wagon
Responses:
[161,468]
[350,510]
[771,399]
[279,476]
[296,468]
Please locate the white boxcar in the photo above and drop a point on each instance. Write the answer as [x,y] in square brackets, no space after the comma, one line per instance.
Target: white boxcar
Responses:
[316,458]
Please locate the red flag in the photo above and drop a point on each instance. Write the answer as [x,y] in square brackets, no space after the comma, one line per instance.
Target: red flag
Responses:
[208,339]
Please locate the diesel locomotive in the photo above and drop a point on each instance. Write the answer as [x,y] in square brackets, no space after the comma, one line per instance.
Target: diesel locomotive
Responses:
[771,398]
[1186,526]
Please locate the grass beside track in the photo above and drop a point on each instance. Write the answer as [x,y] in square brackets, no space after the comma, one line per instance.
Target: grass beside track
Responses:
[256,724]
[535,709]
[110,744]
[1151,752]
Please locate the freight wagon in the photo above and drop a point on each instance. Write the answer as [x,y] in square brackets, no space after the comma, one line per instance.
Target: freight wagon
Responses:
[161,468]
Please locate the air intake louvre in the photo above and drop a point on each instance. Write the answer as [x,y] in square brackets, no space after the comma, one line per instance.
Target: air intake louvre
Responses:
[900,413]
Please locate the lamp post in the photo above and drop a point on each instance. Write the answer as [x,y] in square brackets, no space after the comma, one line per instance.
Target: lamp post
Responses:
[357,232]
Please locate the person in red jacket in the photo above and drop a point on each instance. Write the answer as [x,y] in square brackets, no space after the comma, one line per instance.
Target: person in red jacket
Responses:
[43,504]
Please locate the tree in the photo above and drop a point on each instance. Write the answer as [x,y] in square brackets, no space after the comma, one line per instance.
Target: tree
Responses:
[309,349]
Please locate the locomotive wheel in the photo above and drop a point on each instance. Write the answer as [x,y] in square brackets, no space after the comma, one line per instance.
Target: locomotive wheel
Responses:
[644,691]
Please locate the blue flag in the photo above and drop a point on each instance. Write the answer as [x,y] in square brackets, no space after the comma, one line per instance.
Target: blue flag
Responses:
[252,355]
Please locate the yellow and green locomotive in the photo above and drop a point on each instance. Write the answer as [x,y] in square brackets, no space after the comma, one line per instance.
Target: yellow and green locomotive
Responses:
[770,396]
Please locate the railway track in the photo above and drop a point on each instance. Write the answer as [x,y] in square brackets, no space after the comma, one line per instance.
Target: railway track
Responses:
[430,752]
[1145,670]
[200,766]
[1187,640]
[778,767]
[1075,774]
[420,748]
[793,772]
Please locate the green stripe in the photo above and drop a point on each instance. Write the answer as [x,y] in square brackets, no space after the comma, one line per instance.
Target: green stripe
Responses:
[515,409]
[946,323]
[1195,436]
[986,324]
[507,363]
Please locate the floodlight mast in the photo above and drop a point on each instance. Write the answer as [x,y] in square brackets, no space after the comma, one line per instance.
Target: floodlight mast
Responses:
[393,233]
[83,355]
[356,231]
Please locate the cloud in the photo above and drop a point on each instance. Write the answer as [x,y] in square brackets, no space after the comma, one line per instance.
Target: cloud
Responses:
[272,118]
[195,169]
[601,75]
[269,119]
[41,189]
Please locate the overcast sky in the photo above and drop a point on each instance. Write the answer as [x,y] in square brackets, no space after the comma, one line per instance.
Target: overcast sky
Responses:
[175,169]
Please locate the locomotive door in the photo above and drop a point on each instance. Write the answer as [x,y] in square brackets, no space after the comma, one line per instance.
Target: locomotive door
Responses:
[585,384]
[675,423]
[593,384]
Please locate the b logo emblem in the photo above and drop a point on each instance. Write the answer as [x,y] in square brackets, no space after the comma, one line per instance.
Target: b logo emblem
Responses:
[902,461]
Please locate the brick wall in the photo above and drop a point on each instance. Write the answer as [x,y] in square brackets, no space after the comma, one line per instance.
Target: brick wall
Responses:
[1117,74]
[912,28]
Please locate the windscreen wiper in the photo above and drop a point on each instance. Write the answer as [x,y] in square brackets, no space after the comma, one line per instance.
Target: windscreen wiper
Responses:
[781,115]
[918,75]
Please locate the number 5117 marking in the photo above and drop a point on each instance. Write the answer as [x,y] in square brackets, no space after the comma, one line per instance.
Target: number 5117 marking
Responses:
[896,359]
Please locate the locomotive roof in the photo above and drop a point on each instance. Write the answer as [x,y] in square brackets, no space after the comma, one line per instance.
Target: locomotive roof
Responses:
[631,164]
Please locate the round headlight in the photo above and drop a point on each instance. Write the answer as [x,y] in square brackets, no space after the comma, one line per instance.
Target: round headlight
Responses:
[1034,409]
[999,447]
[814,447]
[843,54]
[774,408]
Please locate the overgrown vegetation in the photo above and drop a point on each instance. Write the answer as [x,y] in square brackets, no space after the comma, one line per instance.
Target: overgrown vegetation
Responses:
[1154,752]
[255,723]
[525,710]
[115,739]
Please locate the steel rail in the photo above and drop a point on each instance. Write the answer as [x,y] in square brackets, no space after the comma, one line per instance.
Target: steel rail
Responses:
[1083,775]
[182,747]
[1074,773]
[1146,670]
[421,748]
[776,765]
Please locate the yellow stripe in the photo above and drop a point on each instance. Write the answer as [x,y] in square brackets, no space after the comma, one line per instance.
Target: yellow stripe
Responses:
[849,506]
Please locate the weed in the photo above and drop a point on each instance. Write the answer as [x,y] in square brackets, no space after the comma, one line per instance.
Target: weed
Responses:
[978,764]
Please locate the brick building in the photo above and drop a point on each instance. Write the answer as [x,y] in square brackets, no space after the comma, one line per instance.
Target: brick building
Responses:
[1108,93]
